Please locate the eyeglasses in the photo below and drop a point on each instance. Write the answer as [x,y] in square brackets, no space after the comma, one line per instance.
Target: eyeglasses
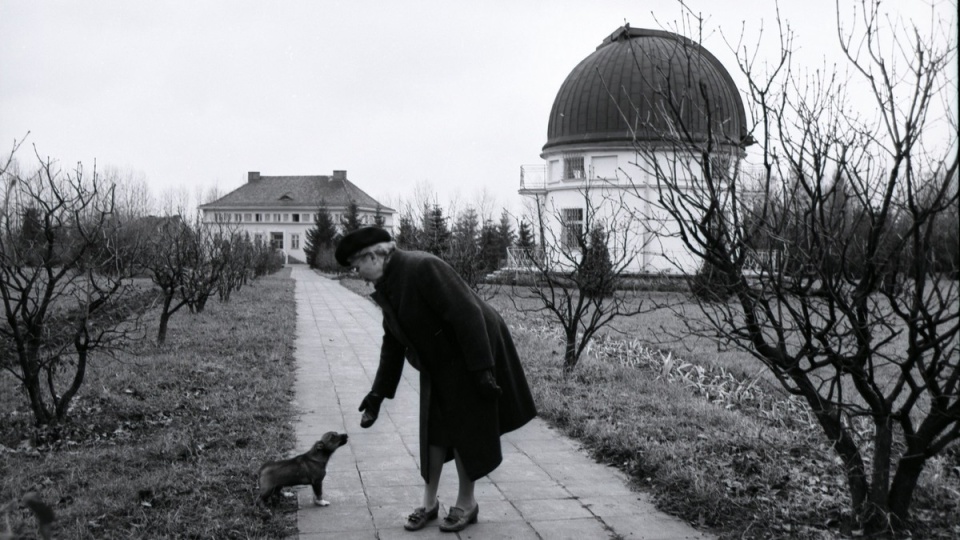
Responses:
[355,261]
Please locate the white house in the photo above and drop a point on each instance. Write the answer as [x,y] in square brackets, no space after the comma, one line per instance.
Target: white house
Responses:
[609,126]
[281,209]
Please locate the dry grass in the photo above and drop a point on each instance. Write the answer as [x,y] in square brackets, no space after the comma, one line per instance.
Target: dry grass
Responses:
[165,442]
[705,430]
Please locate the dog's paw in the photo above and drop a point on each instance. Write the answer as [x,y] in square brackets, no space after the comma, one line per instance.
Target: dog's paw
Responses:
[320,502]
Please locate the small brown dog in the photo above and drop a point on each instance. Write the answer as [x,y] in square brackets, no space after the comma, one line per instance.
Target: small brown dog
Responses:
[307,468]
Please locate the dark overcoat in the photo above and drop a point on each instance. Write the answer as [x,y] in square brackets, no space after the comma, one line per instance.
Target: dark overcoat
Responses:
[446,331]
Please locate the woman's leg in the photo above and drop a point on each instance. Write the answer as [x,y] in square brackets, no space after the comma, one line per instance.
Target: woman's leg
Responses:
[465,497]
[434,468]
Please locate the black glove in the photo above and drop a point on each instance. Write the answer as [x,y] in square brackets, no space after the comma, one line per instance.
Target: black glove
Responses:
[370,407]
[487,384]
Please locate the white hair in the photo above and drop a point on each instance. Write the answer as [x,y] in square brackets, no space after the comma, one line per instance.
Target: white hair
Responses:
[382,249]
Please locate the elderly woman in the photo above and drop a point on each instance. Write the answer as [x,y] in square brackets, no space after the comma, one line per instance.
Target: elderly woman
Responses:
[472,386]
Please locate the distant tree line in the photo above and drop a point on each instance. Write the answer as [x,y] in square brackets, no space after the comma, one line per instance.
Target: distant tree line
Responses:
[474,246]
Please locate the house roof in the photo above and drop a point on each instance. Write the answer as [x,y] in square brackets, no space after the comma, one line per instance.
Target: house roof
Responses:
[295,192]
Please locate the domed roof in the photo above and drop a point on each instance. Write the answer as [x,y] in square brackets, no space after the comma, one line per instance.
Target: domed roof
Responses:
[651,81]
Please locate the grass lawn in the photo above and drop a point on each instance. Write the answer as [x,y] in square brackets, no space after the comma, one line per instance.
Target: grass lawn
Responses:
[165,442]
[715,441]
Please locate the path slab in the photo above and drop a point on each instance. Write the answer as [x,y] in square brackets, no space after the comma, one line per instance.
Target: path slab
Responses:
[546,488]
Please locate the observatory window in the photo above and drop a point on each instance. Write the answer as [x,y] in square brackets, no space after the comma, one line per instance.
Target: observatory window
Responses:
[573,168]
[555,172]
[605,167]
[572,227]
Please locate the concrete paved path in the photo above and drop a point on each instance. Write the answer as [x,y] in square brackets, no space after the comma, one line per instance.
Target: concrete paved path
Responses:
[546,487]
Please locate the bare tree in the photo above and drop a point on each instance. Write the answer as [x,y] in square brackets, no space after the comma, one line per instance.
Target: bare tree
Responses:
[131,192]
[172,251]
[187,262]
[175,202]
[856,309]
[578,269]
[64,284]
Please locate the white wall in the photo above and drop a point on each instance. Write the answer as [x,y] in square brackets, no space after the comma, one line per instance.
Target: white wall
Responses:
[620,192]
[285,226]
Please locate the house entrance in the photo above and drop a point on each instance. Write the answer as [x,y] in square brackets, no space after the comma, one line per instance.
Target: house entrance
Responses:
[276,240]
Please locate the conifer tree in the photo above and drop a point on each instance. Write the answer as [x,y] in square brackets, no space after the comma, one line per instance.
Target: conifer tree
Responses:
[505,236]
[525,238]
[436,235]
[320,238]
[466,230]
[462,252]
[490,246]
[351,218]
[407,234]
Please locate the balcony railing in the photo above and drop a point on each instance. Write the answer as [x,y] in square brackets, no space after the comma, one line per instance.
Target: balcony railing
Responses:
[533,178]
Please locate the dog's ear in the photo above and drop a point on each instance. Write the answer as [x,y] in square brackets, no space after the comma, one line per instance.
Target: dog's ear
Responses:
[327,441]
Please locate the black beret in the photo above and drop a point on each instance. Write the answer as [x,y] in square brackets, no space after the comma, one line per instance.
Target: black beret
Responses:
[357,240]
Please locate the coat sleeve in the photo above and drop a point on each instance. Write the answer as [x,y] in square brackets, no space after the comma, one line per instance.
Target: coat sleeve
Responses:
[455,304]
[391,365]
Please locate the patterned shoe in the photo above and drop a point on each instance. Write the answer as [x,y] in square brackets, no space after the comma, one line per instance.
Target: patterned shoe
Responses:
[420,517]
[457,520]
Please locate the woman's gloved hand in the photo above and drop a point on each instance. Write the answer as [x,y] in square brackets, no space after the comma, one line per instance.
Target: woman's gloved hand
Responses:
[370,407]
[487,384]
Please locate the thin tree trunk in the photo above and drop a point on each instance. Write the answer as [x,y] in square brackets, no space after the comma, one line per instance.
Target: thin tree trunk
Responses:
[165,314]
[64,403]
[570,353]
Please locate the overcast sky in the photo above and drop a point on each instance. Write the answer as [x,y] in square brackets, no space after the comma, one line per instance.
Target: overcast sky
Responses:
[449,94]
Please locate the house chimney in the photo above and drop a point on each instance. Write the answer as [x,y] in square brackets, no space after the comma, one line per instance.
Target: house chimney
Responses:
[253,176]
[339,175]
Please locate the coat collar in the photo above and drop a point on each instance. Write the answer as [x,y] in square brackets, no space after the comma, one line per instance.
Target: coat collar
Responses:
[390,278]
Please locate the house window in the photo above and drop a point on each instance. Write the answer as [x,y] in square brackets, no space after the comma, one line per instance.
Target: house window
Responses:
[573,168]
[276,218]
[286,217]
[276,240]
[248,217]
[572,224]
[237,217]
[294,241]
[258,237]
[258,218]
[296,218]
